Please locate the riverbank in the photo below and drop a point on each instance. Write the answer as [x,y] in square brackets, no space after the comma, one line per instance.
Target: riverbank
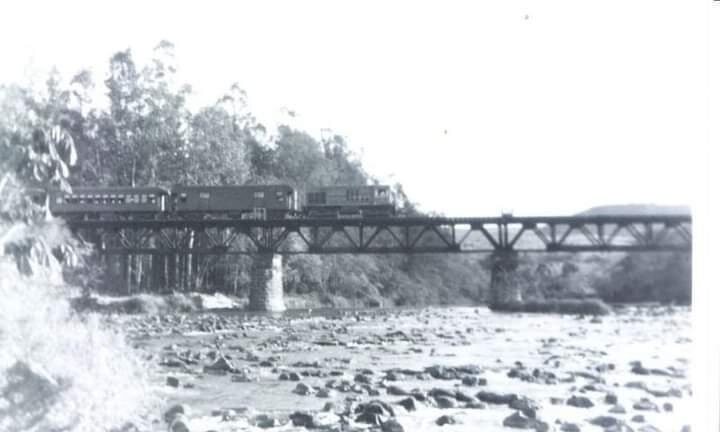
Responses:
[419,367]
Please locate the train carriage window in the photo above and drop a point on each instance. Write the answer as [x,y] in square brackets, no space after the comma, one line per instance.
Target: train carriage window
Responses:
[280,196]
[183,197]
[143,198]
[259,195]
[58,200]
[151,198]
[204,195]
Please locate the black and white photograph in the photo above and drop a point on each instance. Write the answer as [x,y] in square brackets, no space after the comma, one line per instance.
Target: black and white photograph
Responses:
[397,216]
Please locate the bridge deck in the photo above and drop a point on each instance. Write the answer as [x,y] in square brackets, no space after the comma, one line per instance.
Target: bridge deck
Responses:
[390,235]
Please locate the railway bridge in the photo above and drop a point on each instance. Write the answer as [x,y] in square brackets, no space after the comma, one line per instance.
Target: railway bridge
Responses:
[181,252]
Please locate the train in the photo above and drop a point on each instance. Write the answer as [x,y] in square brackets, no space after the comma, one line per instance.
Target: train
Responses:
[276,201]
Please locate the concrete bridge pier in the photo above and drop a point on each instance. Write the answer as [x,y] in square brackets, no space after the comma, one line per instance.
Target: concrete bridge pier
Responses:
[266,286]
[504,286]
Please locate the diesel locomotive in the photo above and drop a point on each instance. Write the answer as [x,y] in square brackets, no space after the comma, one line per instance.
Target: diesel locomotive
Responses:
[244,202]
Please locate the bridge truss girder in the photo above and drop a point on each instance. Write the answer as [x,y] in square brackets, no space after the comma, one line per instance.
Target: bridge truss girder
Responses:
[389,235]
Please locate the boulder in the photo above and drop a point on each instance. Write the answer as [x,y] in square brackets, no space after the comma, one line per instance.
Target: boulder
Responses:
[580,402]
[519,421]
[446,419]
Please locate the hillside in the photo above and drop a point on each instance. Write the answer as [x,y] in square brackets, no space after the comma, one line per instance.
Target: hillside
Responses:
[636,209]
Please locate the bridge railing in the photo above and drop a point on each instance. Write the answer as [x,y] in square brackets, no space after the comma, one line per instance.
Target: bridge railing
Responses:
[390,235]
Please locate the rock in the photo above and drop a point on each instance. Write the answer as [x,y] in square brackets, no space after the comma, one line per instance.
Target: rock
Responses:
[362,378]
[519,421]
[408,404]
[325,393]
[172,381]
[611,398]
[464,397]
[525,405]
[482,381]
[617,409]
[303,389]
[243,376]
[437,392]
[302,419]
[175,410]
[179,424]
[580,402]
[392,425]
[645,405]
[396,391]
[369,418]
[446,419]
[221,365]
[263,421]
[325,419]
[330,406]
[569,427]
[638,418]
[606,421]
[648,428]
[475,405]
[557,401]
[667,406]
[373,412]
[469,381]
[445,402]
[495,398]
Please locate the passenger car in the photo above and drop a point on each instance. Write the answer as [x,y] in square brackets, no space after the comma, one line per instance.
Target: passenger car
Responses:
[106,202]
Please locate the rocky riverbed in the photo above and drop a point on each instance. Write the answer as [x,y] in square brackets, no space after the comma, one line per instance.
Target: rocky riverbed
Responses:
[455,369]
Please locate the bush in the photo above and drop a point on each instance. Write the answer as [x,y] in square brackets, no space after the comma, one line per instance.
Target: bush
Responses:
[560,306]
[60,371]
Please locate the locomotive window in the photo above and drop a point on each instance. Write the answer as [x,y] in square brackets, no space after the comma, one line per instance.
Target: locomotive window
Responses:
[183,197]
[204,195]
[58,200]
[316,197]
[151,198]
[259,195]
[143,198]
[279,195]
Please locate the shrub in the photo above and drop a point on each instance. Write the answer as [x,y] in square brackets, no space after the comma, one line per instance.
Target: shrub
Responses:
[560,306]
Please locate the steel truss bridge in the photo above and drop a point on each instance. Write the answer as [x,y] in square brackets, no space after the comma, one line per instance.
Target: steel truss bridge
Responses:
[388,235]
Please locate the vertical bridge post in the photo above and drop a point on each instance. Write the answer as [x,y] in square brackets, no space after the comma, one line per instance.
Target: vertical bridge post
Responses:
[504,288]
[266,283]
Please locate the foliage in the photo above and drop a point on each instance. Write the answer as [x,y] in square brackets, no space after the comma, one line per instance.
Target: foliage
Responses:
[58,371]
[146,133]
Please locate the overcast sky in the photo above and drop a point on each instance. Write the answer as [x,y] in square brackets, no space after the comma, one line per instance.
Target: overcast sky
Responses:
[541,107]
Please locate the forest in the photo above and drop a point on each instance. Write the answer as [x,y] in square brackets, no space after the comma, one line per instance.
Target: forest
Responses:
[144,132]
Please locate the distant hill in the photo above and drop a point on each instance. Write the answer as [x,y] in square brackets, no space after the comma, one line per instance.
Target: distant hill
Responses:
[636,209]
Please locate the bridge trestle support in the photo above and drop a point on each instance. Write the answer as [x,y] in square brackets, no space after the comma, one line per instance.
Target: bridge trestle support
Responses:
[266,285]
[504,285]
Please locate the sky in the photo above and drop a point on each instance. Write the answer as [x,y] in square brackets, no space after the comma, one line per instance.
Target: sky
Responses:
[536,107]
